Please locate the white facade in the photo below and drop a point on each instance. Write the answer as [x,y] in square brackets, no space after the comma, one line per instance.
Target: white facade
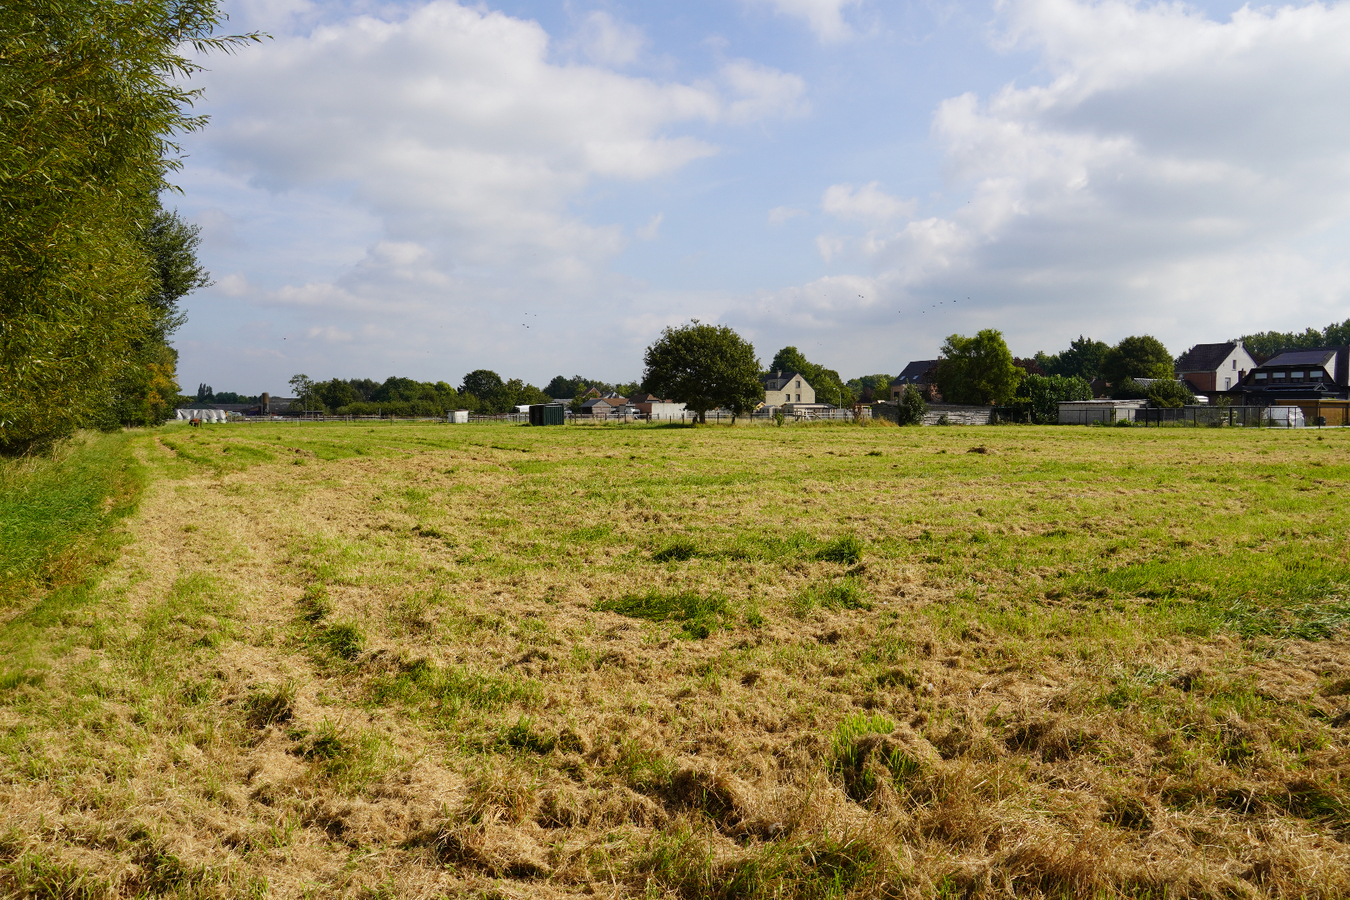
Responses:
[662,411]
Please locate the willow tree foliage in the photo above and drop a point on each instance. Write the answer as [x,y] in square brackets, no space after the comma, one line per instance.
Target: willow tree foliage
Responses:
[92,96]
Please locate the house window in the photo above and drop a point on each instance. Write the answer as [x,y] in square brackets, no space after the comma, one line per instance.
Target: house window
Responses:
[1277,375]
[1227,383]
[799,398]
[1235,365]
[799,386]
[1260,376]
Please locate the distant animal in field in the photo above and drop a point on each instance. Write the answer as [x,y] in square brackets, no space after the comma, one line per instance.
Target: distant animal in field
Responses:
[195,423]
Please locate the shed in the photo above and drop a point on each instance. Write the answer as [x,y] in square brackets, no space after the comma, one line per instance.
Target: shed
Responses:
[1090,412]
[457,417]
[546,414]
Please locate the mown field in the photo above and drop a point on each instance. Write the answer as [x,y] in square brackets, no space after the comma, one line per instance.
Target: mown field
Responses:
[635,661]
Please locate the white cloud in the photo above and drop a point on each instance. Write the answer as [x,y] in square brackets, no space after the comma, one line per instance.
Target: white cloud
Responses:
[825,17]
[649,231]
[1175,174]
[780,214]
[760,92]
[234,284]
[605,40]
[867,204]
[829,246]
[330,334]
[468,151]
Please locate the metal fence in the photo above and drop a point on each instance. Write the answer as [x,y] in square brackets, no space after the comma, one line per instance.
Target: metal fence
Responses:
[1291,415]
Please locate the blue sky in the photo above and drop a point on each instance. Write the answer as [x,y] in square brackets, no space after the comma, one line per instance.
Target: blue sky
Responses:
[424,189]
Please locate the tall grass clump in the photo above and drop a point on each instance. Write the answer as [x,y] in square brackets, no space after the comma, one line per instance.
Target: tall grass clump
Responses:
[698,615]
[846,550]
[847,593]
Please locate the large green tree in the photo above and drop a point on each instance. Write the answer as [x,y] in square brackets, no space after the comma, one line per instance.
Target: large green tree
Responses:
[977,370]
[92,93]
[1266,344]
[489,389]
[1083,359]
[870,387]
[703,367]
[1138,356]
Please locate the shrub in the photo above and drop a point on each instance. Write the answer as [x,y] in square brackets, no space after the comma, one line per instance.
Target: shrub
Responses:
[1169,393]
[1128,389]
[910,409]
[1044,393]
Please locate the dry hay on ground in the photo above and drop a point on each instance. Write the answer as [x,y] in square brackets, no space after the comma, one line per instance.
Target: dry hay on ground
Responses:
[674,662]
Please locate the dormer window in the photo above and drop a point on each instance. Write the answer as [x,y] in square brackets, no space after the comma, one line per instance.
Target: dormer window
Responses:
[1277,375]
[1296,376]
[1260,376]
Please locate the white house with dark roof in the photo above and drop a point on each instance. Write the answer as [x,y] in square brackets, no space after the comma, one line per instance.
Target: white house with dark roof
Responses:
[1215,367]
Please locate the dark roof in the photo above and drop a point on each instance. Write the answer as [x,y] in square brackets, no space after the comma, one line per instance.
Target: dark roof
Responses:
[1319,357]
[782,378]
[915,370]
[1205,357]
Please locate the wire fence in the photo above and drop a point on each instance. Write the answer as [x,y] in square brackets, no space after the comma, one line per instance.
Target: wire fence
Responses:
[1294,414]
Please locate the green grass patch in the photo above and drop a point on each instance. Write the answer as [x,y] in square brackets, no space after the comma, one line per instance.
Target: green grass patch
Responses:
[846,550]
[57,512]
[844,593]
[698,615]
[447,691]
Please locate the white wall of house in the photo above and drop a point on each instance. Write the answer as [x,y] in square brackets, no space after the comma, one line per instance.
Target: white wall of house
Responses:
[664,411]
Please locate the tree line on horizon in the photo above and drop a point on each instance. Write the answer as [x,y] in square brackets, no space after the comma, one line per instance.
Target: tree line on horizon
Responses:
[977,369]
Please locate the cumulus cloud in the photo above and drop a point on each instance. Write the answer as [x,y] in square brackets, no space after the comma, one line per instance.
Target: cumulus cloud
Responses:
[825,17]
[759,92]
[1174,173]
[868,203]
[649,231]
[607,41]
[468,144]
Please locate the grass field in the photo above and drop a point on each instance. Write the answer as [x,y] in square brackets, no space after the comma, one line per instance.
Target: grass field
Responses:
[634,661]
